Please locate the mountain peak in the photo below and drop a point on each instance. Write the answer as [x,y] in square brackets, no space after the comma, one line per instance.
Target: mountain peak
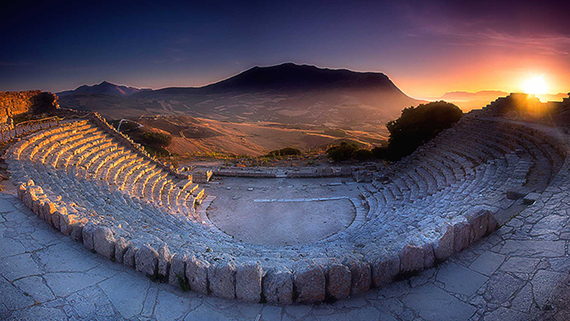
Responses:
[293,77]
[104,88]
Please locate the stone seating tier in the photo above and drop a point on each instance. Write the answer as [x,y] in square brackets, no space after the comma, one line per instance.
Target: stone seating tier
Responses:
[99,190]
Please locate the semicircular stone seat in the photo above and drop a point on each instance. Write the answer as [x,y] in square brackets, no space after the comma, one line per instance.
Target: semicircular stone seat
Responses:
[87,181]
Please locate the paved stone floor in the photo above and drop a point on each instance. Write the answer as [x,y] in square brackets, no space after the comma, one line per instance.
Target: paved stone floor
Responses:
[282,211]
[518,273]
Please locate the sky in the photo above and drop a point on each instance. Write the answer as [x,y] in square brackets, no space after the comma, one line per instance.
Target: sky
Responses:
[426,48]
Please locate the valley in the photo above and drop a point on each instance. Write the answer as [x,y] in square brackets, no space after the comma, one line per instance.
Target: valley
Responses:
[206,137]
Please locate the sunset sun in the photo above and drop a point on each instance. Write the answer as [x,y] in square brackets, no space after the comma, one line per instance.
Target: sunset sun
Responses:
[536,86]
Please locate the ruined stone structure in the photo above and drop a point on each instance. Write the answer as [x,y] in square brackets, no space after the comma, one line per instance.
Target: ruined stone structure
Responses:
[16,103]
[97,187]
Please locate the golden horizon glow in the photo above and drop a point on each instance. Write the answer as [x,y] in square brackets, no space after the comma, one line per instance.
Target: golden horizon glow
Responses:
[535,86]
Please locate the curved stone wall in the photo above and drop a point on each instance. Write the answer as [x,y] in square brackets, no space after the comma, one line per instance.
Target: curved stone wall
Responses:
[92,186]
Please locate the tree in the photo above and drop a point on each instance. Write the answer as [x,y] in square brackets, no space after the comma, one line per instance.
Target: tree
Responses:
[418,125]
[344,151]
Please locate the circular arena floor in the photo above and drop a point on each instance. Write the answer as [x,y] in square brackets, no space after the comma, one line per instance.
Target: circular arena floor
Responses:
[282,211]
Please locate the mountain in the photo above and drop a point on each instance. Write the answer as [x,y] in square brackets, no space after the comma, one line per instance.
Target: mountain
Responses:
[104,88]
[289,78]
[286,93]
[480,95]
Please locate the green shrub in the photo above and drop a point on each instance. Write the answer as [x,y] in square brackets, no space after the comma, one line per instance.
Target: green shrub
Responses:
[347,151]
[342,152]
[363,154]
[157,151]
[157,139]
[287,151]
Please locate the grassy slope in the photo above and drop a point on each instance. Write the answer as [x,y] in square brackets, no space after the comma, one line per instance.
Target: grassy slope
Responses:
[194,136]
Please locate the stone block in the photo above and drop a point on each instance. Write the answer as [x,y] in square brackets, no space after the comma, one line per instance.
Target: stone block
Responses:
[429,255]
[531,198]
[461,236]
[43,209]
[309,283]
[177,272]
[87,235]
[55,220]
[412,258]
[28,198]
[479,224]
[104,241]
[278,286]
[361,275]
[37,204]
[443,246]
[46,211]
[65,221]
[492,224]
[164,258]
[339,281]
[77,230]
[197,274]
[130,254]
[384,268]
[21,191]
[146,260]
[121,246]
[248,281]
[515,194]
[31,195]
[222,279]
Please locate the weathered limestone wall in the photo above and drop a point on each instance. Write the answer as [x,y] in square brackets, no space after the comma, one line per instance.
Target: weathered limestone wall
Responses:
[16,103]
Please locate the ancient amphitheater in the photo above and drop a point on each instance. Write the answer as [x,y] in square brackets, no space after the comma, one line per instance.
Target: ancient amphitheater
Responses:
[486,173]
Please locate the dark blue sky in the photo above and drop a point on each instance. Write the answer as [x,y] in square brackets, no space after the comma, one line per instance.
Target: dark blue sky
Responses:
[427,48]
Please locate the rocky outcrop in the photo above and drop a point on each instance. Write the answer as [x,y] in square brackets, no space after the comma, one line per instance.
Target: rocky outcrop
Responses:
[17,103]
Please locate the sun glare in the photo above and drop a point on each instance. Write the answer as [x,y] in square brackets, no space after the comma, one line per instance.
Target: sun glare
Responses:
[536,86]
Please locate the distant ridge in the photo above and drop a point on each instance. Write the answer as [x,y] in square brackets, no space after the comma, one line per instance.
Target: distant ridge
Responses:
[480,95]
[286,93]
[288,78]
[104,88]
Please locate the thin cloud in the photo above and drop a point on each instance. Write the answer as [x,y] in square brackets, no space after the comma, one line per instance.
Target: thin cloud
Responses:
[473,33]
